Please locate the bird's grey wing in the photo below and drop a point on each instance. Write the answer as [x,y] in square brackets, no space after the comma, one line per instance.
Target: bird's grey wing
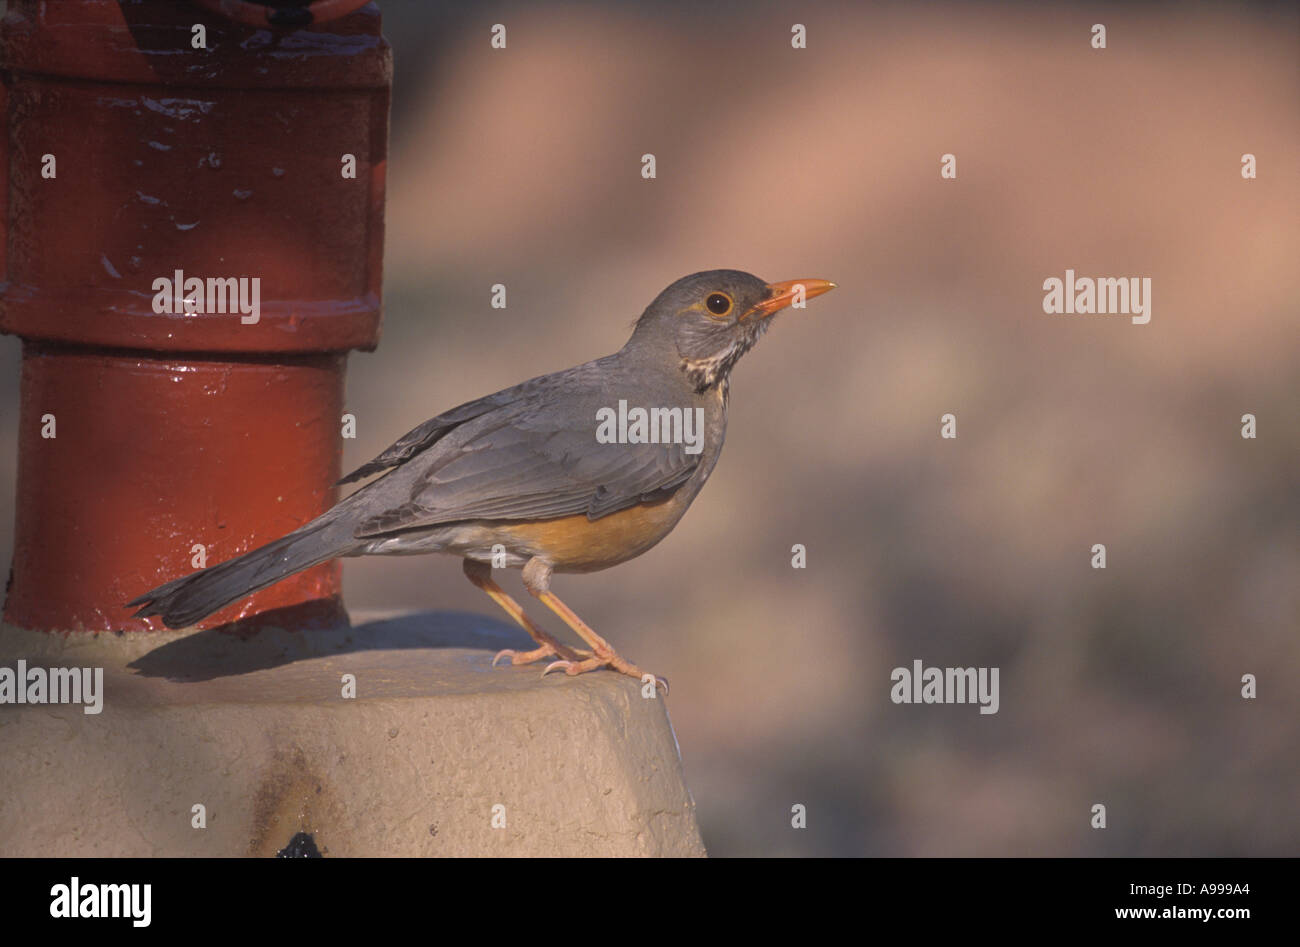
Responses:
[524,467]
[430,432]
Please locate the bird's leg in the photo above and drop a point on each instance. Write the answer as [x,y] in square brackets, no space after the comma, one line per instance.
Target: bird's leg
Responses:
[480,573]
[537,579]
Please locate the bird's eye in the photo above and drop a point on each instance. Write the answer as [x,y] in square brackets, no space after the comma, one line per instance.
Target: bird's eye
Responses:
[718,303]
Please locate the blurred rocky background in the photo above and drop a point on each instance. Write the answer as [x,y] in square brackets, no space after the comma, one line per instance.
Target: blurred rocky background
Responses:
[522,166]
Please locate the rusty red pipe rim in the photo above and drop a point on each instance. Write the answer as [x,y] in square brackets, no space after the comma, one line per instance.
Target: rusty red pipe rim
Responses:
[253,13]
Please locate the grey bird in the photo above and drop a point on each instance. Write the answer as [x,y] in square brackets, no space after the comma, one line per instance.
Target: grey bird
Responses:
[575,471]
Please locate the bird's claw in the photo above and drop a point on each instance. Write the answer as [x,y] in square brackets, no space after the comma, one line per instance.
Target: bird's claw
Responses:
[615,663]
[518,658]
[522,657]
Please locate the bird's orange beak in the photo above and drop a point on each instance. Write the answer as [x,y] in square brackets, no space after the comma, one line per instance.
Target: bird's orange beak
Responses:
[787,293]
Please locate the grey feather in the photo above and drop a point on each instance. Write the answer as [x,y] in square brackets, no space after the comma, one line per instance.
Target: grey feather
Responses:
[522,461]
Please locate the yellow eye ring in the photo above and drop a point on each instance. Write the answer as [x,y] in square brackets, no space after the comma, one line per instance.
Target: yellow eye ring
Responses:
[719,304]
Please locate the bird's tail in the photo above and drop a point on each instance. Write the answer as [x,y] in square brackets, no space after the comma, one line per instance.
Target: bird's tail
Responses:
[184,601]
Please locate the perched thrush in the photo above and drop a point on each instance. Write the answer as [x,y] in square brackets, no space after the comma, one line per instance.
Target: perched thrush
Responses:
[570,472]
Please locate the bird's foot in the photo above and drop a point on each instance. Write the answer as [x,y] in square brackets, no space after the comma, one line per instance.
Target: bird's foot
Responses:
[537,654]
[604,660]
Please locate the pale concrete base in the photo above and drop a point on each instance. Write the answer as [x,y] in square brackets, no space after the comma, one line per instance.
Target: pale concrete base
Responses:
[258,733]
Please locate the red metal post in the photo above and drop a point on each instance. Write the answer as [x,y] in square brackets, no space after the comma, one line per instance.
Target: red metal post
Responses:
[183,429]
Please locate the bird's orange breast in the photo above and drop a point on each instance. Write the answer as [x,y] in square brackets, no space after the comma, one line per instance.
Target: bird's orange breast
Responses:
[577,544]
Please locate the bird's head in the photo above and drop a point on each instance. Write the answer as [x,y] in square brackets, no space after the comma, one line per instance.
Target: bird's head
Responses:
[709,320]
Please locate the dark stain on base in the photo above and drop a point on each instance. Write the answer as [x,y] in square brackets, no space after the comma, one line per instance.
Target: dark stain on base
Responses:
[301,845]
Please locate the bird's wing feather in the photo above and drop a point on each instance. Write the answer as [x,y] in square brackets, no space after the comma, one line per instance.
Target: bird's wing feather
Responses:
[427,434]
[534,465]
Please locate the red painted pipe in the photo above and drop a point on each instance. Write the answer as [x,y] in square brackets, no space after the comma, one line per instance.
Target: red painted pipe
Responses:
[181,429]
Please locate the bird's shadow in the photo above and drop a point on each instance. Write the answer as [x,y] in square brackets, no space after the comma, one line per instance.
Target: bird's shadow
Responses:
[230,649]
